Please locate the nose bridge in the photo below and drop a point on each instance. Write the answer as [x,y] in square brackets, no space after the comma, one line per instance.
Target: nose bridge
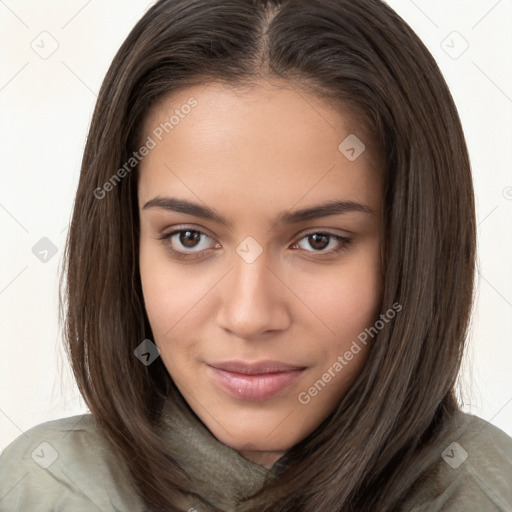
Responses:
[250,293]
[251,303]
[250,279]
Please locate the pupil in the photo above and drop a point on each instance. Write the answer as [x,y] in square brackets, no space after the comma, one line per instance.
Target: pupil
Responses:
[188,238]
[316,243]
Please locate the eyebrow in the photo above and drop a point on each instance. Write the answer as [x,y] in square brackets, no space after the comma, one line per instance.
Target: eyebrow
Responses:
[336,207]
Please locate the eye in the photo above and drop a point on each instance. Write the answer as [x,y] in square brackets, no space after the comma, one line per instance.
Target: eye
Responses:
[320,241]
[187,242]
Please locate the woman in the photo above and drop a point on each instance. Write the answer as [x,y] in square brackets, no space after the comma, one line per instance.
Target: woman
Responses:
[269,276]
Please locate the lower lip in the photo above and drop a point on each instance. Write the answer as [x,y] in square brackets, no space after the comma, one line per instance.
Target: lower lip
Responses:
[254,387]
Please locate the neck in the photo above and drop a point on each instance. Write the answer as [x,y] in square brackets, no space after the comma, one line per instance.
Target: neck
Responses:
[265,459]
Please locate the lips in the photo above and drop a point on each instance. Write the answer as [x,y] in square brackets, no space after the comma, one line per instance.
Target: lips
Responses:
[254,381]
[256,368]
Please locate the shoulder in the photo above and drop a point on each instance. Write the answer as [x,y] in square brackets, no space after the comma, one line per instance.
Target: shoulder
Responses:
[471,469]
[64,464]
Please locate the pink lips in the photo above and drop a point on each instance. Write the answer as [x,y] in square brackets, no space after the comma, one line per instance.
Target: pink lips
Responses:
[254,381]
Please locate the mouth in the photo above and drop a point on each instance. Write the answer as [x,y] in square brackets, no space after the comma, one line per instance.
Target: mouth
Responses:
[254,381]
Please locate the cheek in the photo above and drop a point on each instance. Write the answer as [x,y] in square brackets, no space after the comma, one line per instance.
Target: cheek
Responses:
[346,299]
[169,294]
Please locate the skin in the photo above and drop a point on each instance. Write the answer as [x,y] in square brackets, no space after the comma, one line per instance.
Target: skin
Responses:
[250,155]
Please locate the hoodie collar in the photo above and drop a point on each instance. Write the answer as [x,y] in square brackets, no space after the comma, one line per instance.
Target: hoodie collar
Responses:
[221,476]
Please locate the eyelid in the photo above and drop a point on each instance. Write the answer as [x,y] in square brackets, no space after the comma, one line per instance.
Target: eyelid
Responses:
[325,231]
[179,229]
[185,227]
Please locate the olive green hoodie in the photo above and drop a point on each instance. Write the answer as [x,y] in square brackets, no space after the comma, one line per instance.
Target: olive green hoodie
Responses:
[65,465]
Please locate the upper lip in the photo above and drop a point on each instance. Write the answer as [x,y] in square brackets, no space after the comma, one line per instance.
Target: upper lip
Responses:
[255,368]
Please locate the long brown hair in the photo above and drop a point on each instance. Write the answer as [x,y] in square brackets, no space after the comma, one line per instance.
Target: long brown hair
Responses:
[365,455]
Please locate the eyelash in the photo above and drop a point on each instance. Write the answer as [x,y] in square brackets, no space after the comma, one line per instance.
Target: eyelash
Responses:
[166,240]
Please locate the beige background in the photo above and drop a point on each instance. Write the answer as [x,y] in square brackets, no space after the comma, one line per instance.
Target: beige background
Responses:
[46,104]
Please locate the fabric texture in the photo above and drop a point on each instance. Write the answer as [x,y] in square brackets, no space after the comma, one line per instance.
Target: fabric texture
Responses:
[65,465]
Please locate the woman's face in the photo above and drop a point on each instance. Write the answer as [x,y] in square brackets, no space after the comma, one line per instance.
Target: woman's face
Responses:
[256,291]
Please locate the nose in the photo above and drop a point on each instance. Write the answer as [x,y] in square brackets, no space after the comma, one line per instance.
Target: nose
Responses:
[254,300]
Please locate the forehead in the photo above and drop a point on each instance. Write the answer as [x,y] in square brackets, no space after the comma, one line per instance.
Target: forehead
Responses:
[272,143]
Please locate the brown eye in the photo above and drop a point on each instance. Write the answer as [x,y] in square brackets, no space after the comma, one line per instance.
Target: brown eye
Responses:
[317,242]
[187,243]
[189,238]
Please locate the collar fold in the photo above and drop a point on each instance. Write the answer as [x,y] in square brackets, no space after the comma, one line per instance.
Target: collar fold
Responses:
[221,476]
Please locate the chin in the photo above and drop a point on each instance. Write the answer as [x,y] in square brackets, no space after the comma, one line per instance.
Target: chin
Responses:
[256,438]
